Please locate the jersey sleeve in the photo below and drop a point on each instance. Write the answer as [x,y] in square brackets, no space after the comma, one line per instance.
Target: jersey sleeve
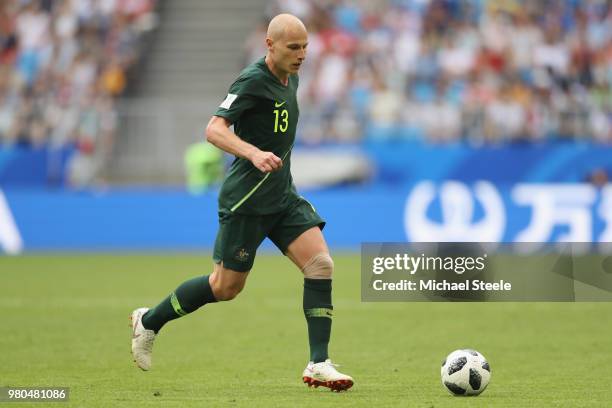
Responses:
[240,98]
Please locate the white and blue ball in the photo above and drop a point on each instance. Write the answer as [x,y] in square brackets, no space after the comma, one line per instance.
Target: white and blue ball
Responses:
[465,372]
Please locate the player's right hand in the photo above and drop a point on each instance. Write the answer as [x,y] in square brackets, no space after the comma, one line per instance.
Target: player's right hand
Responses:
[266,162]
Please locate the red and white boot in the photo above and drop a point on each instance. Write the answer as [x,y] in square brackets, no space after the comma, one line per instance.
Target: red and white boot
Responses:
[324,374]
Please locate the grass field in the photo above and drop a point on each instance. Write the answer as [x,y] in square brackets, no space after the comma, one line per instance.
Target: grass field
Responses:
[64,322]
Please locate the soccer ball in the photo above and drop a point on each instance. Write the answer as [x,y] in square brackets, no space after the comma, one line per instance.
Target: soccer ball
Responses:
[465,372]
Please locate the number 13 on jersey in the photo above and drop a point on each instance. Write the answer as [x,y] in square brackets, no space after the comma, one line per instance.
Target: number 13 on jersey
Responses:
[281,120]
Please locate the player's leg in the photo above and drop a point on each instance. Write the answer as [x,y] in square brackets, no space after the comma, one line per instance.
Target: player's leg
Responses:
[298,234]
[310,254]
[235,247]
[222,284]
[146,323]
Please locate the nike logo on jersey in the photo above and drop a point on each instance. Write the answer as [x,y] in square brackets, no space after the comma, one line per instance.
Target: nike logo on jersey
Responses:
[279,104]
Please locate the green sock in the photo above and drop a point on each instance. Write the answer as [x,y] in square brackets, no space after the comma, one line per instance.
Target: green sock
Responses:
[318,311]
[188,297]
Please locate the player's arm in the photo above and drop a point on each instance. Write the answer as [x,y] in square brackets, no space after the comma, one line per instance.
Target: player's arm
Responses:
[219,134]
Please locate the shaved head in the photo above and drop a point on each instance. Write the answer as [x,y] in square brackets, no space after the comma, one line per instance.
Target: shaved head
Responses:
[283,25]
[286,40]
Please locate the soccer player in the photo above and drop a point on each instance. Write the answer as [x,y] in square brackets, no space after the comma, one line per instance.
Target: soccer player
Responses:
[258,200]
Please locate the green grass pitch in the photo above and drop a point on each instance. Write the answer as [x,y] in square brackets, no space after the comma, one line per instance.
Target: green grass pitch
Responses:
[65,323]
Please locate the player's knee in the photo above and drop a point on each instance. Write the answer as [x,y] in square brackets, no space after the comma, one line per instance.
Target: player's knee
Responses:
[320,266]
[228,291]
[224,290]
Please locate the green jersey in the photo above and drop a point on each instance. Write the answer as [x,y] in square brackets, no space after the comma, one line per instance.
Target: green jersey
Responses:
[264,113]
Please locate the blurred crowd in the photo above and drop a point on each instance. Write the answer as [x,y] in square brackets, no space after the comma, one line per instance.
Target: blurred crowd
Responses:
[485,71]
[62,65]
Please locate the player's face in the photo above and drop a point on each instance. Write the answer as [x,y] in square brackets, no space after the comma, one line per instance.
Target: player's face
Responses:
[291,51]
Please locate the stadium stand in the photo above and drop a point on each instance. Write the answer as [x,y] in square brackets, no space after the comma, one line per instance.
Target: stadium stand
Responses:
[194,55]
[443,70]
[63,63]
[484,73]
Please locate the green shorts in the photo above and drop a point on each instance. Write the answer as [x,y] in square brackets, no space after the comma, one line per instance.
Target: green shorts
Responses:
[240,235]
